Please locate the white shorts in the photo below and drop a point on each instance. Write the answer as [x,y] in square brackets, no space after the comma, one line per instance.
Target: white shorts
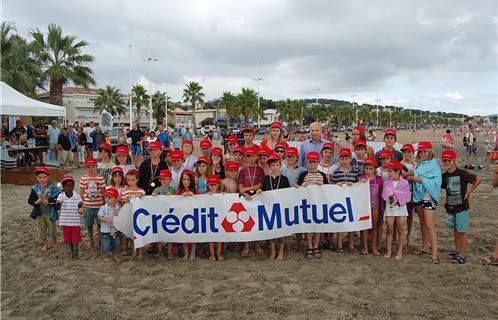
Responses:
[65,155]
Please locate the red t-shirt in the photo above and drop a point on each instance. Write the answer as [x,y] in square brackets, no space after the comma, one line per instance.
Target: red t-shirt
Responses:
[250,175]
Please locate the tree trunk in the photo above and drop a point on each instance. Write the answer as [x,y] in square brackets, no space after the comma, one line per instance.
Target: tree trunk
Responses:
[139,107]
[193,116]
[246,120]
[55,94]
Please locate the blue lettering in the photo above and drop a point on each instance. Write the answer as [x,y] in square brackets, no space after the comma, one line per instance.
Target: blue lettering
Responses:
[304,207]
[155,219]
[324,214]
[350,209]
[170,220]
[195,222]
[287,216]
[276,215]
[136,228]
[212,215]
[337,210]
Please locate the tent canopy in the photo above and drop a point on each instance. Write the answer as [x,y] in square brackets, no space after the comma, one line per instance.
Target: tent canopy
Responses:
[14,103]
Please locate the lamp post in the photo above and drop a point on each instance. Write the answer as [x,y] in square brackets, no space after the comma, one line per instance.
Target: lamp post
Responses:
[377,101]
[129,83]
[149,60]
[355,111]
[166,110]
[259,118]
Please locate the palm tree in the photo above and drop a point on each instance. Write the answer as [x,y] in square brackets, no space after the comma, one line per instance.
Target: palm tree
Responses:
[229,102]
[62,60]
[111,100]
[247,102]
[345,114]
[290,110]
[19,69]
[364,114]
[193,94]
[140,96]
[159,105]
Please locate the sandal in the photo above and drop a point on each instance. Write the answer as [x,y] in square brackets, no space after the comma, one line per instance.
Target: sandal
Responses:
[420,252]
[435,260]
[317,253]
[461,259]
[452,255]
[259,251]
[244,253]
[309,254]
[491,261]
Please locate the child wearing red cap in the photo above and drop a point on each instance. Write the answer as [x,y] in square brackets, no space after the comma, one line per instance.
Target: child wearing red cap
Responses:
[176,167]
[396,193]
[229,184]
[359,133]
[205,145]
[105,164]
[217,164]
[455,182]
[110,237]
[360,152]
[239,156]
[42,197]
[165,188]
[389,141]
[189,160]
[131,192]
[213,187]
[187,188]
[70,206]
[376,184]
[202,171]
[274,181]
[248,135]
[328,163]
[118,182]
[291,168]
[385,156]
[232,143]
[310,177]
[123,159]
[409,166]
[92,189]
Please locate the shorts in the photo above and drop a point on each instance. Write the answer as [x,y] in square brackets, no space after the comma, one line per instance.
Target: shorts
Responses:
[458,221]
[135,149]
[428,204]
[72,234]
[90,216]
[46,228]
[469,148]
[65,155]
[109,243]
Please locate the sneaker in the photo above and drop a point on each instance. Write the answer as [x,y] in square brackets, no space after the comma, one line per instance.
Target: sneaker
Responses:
[461,259]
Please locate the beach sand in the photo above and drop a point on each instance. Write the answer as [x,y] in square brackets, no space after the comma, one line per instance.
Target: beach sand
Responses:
[38,285]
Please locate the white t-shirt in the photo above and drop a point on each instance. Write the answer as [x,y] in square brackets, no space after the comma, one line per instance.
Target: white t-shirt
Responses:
[107,212]
[87,131]
[53,134]
[69,215]
[395,210]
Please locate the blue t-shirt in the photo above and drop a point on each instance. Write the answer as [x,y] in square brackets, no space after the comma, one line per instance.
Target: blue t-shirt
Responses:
[53,133]
[163,137]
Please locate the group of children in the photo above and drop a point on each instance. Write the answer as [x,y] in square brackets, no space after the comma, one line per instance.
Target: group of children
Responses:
[400,182]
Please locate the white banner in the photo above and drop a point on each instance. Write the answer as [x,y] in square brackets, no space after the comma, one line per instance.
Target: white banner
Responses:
[228,218]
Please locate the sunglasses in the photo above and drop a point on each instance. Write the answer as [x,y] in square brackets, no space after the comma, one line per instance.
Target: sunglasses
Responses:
[280,151]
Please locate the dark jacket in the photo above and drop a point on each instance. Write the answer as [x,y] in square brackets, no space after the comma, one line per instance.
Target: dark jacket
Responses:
[33,196]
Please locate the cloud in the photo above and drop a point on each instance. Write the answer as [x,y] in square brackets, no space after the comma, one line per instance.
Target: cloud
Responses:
[342,47]
[453,95]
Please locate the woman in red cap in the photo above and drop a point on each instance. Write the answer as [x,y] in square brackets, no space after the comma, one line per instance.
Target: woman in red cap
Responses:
[276,135]
[358,133]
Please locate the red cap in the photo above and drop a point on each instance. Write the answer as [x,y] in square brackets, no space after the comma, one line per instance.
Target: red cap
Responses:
[250,129]
[361,129]
[385,154]
[116,169]
[273,157]
[263,152]
[165,173]
[250,151]
[205,144]
[166,149]
[360,143]
[276,124]
[189,172]
[448,155]
[90,162]
[281,144]
[408,146]
[203,159]
[106,147]
[41,170]
[312,156]
[233,139]
[66,178]
[112,192]
[328,145]
[177,155]
[232,166]
[292,151]
[214,179]
[239,149]
[155,145]
[122,150]
[217,150]
[395,165]
[424,145]
[346,152]
[187,141]
[390,131]
[370,161]
[132,171]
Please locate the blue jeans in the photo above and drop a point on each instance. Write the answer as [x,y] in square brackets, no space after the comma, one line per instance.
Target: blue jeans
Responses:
[109,243]
[135,149]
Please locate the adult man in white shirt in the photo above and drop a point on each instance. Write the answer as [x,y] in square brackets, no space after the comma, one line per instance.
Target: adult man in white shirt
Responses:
[53,133]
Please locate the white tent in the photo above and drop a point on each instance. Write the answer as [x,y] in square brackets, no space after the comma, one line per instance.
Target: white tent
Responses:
[14,103]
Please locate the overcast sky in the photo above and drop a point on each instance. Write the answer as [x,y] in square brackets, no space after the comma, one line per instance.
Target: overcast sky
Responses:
[439,55]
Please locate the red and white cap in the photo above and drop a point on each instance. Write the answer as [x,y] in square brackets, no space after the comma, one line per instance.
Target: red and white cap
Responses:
[360,143]
[345,152]
[276,124]
[385,154]
[105,146]
[203,159]
[177,155]
[187,141]
[390,131]
[370,162]
[424,145]
[313,156]
[116,169]
[213,179]
[91,162]
[42,170]
[448,155]
[217,150]
[263,152]
[165,173]
[122,150]
[233,139]
[273,157]
[282,144]
[189,172]
[205,144]
[232,166]
[250,152]
[112,192]
[155,145]
[395,165]
[239,149]
[292,151]
[408,146]
[66,178]
[132,171]
[328,145]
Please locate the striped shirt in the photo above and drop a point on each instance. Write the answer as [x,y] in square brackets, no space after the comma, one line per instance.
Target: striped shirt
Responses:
[69,215]
[131,194]
[312,178]
[92,188]
[340,176]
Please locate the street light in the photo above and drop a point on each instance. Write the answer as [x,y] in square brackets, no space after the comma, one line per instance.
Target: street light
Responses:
[355,111]
[259,118]
[129,83]
[149,60]
[377,101]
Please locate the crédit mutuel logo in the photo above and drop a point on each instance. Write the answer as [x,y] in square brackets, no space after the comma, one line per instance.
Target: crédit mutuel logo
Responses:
[205,219]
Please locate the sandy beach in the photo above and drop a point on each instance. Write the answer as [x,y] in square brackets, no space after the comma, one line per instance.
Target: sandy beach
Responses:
[51,285]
